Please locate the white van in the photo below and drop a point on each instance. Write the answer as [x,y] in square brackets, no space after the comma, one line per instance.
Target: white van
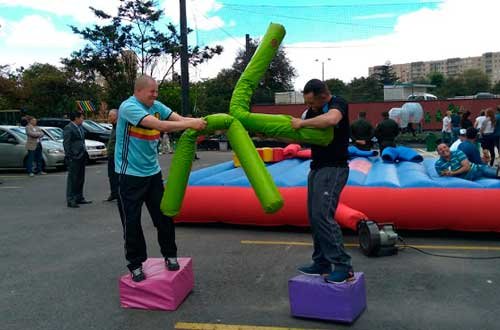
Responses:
[422,97]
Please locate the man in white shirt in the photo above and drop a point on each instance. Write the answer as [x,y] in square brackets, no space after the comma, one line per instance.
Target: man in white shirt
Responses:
[461,138]
[479,120]
[446,130]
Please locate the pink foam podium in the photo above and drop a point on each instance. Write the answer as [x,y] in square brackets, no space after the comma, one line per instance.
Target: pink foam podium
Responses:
[161,290]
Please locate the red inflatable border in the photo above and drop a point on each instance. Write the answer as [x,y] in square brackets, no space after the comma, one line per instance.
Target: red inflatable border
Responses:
[409,208]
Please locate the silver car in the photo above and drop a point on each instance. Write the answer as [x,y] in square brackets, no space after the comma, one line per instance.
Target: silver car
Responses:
[13,153]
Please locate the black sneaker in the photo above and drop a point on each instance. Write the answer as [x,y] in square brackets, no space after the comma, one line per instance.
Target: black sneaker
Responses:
[172,264]
[315,269]
[138,275]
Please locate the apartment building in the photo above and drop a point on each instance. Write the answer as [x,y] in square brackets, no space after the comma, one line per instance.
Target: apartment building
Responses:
[489,63]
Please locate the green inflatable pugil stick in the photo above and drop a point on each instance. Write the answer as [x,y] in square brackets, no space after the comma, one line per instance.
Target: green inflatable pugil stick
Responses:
[237,124]
[242,144]
[277,126]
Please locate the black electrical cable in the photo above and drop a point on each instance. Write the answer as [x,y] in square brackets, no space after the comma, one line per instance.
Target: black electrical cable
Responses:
[405,245]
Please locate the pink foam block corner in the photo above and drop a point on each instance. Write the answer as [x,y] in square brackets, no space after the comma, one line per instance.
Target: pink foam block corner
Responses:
[161,290]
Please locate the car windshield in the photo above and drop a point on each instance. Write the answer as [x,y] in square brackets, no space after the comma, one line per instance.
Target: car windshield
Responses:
[56,133]
[93,126]
[20,133]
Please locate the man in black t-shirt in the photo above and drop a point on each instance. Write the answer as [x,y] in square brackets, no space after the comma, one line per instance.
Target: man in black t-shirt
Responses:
[386,132]
[327,178]
[362,132]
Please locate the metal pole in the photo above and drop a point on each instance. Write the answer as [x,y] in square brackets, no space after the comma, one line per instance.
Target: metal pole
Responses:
[186,110]
[322,71]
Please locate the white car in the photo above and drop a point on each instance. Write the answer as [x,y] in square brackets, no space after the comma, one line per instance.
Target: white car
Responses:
[95,149]
[422,97]
[106,125]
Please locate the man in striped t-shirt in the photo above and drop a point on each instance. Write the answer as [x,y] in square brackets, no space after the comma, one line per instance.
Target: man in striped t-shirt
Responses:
[455,163]
[140,120]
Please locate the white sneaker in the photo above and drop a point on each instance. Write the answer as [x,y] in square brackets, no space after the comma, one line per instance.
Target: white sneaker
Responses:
[43,173]
[31,175]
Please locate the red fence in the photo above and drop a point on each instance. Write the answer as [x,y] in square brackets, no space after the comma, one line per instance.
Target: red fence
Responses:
[374,109]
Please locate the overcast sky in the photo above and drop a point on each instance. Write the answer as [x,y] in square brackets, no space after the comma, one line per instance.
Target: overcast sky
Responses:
[353,34]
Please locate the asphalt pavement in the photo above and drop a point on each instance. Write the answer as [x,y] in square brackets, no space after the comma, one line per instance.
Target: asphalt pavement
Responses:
[60,269]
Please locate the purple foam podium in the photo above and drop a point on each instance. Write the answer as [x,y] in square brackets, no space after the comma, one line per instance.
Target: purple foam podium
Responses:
[312,297]
[161,290]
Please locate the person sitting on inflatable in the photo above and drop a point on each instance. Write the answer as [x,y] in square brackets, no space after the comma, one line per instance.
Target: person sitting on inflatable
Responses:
[470,149]
[455,163]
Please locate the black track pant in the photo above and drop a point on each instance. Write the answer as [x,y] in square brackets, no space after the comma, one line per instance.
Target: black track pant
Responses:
[133,192]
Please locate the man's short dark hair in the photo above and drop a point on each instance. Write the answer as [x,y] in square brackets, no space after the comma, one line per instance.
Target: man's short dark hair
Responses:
[316,87]
[471,133]
[385,114]
[74,115]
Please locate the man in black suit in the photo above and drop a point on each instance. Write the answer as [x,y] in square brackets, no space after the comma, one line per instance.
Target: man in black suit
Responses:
[74,148]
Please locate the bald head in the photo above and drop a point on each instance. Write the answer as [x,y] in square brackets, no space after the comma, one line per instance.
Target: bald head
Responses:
[142,82]
[112,115]
[443,150]
[146,90]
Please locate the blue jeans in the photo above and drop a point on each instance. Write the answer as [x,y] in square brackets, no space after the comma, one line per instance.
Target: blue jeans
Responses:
[488,171]
[324,187]
[35,156]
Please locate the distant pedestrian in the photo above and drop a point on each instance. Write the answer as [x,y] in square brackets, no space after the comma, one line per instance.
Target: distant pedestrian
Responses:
[446,130]
[34,147]
[386,132]
[76,156]
[465,121]
[487,131]
[165,144]
[112,175]
[362,132]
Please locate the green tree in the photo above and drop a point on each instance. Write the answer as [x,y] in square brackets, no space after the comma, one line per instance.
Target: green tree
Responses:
[454,86]
[10,91]
[436,78]
[338,87]
[385,74]
[214,95]
[496,88]
[476,81]
[49,91]
[365,90]
[278,77]
[129,43]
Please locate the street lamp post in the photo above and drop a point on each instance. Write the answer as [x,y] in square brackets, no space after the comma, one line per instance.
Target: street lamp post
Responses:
[323,68]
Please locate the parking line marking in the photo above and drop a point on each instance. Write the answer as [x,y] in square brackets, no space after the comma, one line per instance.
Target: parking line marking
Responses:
[9,187]
[217,326]
[430,247]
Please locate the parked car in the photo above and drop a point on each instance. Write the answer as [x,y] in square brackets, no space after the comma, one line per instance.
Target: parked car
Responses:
[14,154]
[106,125]
[93,131]
[96,150]
[484,95]
[422,97]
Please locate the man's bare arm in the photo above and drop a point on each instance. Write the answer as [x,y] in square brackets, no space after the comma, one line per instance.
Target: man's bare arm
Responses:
[172,125]
[464,169]
[331,118]
[176,117]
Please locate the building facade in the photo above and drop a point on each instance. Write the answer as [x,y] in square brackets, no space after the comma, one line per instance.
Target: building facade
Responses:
[489,63]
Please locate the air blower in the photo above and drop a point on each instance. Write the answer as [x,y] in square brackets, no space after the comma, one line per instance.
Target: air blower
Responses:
[377,240]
